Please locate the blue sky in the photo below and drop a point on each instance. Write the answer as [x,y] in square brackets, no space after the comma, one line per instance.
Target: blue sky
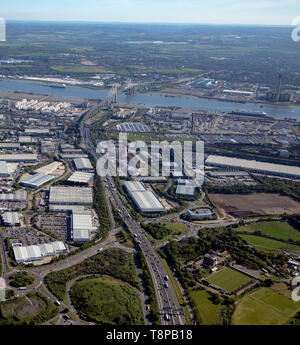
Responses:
[268,12]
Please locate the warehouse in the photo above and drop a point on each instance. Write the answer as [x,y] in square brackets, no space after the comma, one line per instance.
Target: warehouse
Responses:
[18,196]
[222,174]
[254,166]
[66,208]
[145,200]
[80,178]
[36,180]
[38,252]
[73,155]
[24,157]
[36,131]
[83,164]
[11,219]
[4,169]
[9,146]
[185,190]
[82,226]
[50,168]
[71,195]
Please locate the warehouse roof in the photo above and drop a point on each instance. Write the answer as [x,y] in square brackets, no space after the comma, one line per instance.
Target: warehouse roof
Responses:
[83,163]
[50,168]
[37,180]
[254,165]
[11,218]
[4,168]
[72,195]
[147,201]
[185,190]
[37,252]
[82,221]
[80,177]
[9,145]
[24,157]
[134,186]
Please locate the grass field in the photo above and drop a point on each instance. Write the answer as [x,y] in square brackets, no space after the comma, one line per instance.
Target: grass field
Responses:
[107,301]
[264,307]
[228,279]
[209,312]
[279,230]
[266,243]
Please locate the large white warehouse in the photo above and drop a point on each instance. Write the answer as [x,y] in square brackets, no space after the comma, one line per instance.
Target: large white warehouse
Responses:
[145,200]
[254,166]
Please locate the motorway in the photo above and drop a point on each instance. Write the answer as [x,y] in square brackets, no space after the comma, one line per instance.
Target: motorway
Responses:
[168,303]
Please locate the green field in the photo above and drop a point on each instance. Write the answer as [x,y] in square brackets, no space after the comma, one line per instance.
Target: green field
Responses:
[267,243]
[228,279]
[209,312]
[264,307]
[107,301]
[279,230]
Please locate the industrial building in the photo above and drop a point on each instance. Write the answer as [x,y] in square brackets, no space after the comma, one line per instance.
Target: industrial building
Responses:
[83,164]
[4,169]
[185,190]
[49,169]
[10,146]
[24,157]
[67,208]
[71,195]
[145,200]
[82,226]
[222,174]
[181,116]
[36,180]
[36,131]
[73,155]
[25,254]
[11,219]
[254,166]
[80,178]
[200,214]
[18,196]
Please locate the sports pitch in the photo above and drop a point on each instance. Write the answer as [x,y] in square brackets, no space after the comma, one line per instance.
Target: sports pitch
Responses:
[228,279]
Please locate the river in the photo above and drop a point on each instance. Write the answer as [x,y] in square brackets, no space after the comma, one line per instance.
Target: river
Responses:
[185,102]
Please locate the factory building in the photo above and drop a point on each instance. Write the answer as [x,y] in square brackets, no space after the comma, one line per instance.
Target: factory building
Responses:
[254,166]
[25,254]
[200,214]
[83,164]
[24,157]
[4,169]
[144,200]
[181,116]
[10,146]
[36,180]
[50,168]
[71,196]
[36,131]
[11,219]
[18,196]
[185,190]
[80,178]
[82,226]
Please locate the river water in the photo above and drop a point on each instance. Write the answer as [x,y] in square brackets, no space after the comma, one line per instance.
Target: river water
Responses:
[151,100]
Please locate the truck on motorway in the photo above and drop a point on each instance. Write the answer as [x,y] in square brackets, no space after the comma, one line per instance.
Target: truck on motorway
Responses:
[57,303]
[167,317]
[166,285]
[166,278]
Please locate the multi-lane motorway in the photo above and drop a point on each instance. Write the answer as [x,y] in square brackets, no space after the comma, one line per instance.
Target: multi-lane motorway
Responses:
[169,306]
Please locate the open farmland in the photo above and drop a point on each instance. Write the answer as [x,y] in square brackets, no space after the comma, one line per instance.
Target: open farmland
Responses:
[267,243]
[264,307]
[228,279]
[209,312]
[278,230]
[240,205]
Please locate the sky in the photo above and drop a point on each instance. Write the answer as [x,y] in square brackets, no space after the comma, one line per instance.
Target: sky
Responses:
[262,12]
